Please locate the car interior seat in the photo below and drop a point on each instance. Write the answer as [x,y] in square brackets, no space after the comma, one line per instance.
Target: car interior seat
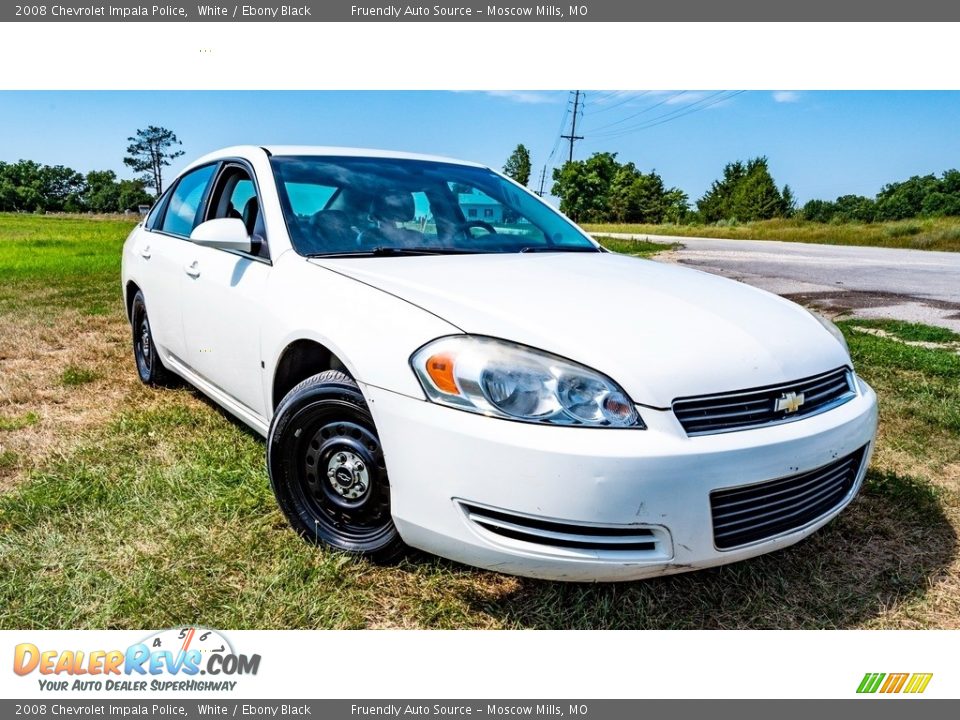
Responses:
[391,209]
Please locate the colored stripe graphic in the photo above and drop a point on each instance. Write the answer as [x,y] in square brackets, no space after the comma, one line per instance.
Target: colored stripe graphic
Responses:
[894,683]
[918,682]
[870,682]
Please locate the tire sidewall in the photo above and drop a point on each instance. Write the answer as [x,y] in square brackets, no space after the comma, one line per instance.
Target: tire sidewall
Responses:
[294,414]
[137,315]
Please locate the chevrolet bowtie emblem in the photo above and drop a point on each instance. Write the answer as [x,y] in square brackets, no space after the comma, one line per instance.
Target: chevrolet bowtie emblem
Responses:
[789,402]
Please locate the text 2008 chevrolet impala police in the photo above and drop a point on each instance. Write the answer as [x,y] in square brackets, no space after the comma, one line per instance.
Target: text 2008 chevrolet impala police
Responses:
[438,358]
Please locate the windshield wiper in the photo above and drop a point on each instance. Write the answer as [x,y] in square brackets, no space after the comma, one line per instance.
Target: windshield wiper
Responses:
[558,248]
[396,251]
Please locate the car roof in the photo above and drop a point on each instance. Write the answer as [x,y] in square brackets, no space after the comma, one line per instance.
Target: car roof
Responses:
[246,151]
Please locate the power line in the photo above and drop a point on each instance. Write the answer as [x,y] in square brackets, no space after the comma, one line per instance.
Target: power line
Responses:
[543,177]
[605,96]
[629,97]
[667,114]
[645,110]
[573,137]
[556,143]
[674,115]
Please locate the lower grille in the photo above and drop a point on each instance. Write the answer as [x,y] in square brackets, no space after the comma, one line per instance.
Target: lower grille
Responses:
[757,512]
[560,534]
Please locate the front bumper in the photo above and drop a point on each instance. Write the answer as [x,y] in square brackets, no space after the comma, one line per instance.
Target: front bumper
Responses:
[448,467]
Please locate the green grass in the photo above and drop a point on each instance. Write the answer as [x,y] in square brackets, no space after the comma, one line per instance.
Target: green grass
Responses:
[637,248]
[162,515]
[8,459]
[910,332]
[52,261]
[74,375]
[18,422]
[926,234]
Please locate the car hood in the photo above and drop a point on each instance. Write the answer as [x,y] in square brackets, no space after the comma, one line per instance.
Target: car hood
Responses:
[661,331]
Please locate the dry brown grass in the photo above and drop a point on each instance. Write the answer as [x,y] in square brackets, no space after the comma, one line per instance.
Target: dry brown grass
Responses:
[49,417]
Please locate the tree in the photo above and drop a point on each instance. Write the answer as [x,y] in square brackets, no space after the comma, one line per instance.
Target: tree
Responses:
[676,206]
[901,200]
[518,165]
[789,201]
[854,208]
[149,151]
[102,193]
[583,186]
[818,211]
[131,194]
[105,194]
[600,189]
[28,186]
[716,204]
[745,192]
[636,197]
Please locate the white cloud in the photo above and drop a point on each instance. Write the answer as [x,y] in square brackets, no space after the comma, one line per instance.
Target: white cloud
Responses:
[525,97]
[786,96]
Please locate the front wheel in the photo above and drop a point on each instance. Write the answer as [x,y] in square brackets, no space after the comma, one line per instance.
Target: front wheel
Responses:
[149,367]
[327,469]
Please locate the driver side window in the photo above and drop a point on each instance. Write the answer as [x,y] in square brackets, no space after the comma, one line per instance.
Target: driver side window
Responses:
[235,196]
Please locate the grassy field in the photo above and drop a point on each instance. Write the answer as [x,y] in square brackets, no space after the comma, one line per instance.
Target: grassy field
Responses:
[637,248]
[126,507]
[925,234]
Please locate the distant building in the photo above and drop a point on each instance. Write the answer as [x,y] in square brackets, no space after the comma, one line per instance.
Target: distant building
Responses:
[477,206]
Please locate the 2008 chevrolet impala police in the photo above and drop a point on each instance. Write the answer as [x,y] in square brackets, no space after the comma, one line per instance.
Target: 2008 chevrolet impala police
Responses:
[438,358]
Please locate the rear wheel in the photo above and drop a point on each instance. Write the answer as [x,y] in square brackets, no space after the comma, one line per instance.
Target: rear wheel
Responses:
[149,367]
[327,468]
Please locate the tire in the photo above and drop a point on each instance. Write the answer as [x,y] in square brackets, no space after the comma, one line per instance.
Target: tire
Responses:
[327,469]
[149,366]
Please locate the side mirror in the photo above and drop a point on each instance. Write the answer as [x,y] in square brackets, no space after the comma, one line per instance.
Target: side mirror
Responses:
[223,233]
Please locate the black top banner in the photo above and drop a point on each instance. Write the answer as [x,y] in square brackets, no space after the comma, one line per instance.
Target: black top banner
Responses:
[504,11]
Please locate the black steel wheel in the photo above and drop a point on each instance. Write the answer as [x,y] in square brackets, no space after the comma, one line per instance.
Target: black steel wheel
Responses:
[327,468]
[149,366]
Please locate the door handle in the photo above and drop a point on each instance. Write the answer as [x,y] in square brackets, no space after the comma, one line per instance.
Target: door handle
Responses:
[193,269]
[145,252]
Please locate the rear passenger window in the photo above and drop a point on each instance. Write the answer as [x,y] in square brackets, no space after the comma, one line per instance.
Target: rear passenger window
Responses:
[184,206]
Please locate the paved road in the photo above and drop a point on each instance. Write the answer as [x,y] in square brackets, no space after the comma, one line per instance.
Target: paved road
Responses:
[912,285]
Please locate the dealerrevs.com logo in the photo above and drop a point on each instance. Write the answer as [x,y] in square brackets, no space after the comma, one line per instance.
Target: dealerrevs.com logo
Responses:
[169,660]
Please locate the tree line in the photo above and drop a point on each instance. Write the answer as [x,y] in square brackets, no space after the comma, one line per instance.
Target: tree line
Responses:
[602,189]
[919,196]
[28,186]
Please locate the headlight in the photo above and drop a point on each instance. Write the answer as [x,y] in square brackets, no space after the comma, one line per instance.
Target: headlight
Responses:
[511,381]
[832,329]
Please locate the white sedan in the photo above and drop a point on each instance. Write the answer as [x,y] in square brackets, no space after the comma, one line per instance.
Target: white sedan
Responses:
[440,359]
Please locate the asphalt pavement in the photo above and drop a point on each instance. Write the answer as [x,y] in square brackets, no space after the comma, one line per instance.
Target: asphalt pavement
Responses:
[912,285]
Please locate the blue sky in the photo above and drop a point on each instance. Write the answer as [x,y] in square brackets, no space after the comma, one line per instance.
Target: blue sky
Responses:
[824,143]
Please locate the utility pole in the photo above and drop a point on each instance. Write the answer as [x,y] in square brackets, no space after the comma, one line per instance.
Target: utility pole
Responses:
[543,177]
[573,137]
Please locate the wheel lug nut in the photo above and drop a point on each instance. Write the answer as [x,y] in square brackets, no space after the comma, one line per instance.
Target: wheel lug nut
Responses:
[341,458]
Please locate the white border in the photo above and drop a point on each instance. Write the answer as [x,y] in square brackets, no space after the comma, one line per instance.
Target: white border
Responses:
[558,664]
[547,665]
[352,56]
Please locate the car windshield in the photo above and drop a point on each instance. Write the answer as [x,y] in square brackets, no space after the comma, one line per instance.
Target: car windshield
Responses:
[385,206]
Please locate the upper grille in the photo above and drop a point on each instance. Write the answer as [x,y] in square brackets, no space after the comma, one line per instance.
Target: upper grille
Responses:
[743,409]
[756,512]
[560,534]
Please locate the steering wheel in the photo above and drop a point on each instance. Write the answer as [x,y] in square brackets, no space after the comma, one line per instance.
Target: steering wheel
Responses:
[482,224]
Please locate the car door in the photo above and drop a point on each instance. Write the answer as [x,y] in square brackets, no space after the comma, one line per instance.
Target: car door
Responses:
[165,249]
[223,295]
